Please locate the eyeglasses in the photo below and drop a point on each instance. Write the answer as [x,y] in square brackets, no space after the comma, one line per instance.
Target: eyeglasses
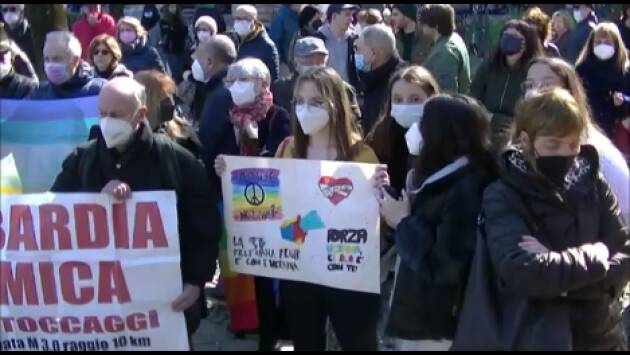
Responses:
[101,52]
[9,9]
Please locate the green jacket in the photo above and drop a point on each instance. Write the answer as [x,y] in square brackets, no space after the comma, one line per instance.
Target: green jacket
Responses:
[419,51]
[499,89]
[450,64]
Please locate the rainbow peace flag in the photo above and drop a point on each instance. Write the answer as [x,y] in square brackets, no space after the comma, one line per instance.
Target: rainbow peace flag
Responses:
[41,134]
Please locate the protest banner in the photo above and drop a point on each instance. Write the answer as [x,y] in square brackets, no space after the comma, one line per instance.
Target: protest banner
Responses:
[41,134]
[85,272]
[303,220]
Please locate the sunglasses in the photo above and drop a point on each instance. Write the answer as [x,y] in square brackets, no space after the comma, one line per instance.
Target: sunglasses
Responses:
[9,9]
[101,52]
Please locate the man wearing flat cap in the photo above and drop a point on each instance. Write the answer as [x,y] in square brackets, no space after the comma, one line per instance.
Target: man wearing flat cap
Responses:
[309,53]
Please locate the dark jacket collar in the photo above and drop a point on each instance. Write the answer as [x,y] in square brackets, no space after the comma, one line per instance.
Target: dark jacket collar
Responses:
[216,79]
[517,172]
[380,76]
[19,29]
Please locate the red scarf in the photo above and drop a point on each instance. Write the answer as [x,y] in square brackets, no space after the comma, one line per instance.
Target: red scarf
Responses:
[254,112]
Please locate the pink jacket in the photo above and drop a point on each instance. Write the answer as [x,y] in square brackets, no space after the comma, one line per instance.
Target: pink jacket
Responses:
[85,33]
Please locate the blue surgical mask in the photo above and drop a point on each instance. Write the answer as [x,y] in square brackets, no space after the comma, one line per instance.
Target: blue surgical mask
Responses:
[359,62]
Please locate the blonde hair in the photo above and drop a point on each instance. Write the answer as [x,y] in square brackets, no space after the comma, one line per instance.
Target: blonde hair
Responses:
[610,29]
[134,23]
[549,112]
[566,19]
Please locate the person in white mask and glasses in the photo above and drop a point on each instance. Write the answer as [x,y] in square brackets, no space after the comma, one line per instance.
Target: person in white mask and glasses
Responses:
[436,220]
[253,40]
[129,157]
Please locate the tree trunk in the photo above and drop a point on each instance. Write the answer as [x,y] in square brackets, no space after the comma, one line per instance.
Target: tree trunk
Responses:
[44,18]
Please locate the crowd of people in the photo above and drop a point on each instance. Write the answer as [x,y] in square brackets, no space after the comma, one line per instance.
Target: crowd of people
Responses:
[504,191]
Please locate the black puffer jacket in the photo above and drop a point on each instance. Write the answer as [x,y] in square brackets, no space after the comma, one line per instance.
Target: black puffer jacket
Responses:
[572,276]
[16,86]
[91,166]
[436,245]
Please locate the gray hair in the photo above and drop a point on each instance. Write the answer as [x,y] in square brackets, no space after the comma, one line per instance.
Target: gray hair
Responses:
[380,37]
[249,9]
[66,39]
[207,20]
[251,68]
[220,47]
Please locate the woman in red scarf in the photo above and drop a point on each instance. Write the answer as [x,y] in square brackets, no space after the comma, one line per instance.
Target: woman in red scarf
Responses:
[259,127]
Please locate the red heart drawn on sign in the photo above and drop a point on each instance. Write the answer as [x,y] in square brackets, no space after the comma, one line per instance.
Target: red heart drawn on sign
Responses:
[335,190]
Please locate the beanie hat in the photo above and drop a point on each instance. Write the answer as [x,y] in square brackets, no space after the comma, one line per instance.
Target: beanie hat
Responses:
[408,10]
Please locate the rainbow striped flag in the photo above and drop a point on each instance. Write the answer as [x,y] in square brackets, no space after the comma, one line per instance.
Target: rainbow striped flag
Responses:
[41,134]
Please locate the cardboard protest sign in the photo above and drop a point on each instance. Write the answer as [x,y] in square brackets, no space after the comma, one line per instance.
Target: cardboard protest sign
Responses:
[304,220]
[84,272]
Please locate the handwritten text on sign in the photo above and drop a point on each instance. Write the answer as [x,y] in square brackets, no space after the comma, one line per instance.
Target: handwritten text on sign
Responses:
[78,272]
[303,220]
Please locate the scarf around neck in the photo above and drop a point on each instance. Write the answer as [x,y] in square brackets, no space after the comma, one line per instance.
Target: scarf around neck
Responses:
[254,112]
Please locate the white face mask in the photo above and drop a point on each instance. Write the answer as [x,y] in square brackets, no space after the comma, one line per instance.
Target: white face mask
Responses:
[604,51]
[243,27]
[243,92]
[203,36]
[577,15]
[312,119]
[197,72]
[116,132]
[11,18]
[414,139]
[406,115]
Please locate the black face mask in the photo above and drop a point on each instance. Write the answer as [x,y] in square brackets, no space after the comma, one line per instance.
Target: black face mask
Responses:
[167,109]
[555,168]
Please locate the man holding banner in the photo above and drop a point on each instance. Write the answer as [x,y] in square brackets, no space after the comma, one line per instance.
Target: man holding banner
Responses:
[129,157]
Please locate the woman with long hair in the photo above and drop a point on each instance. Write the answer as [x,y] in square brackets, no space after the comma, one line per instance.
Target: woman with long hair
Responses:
[436,220]
[605,71]
[324,129]
[497,83]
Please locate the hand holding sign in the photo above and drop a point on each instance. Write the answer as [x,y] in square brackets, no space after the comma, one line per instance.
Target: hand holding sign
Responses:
[117,189]
[219,165]
[393,210]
